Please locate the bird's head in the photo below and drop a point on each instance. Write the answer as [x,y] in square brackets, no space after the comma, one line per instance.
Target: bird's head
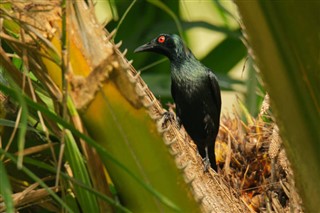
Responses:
[171,46]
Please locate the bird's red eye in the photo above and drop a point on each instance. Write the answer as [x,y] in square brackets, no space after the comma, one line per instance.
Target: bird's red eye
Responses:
[161,39]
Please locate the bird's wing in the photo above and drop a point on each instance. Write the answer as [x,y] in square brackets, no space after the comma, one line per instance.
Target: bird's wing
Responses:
[215,89]
[173,92]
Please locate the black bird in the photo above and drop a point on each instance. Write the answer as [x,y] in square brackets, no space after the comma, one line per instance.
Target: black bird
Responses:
[196,93]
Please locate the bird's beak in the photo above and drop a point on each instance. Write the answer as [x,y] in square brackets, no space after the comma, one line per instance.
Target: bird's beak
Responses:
[146,47]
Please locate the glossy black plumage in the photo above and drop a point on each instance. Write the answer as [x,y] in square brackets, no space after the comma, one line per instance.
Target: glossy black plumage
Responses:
[196,93]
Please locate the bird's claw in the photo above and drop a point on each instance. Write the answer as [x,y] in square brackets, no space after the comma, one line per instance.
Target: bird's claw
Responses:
[206,163]
[170,116]
[167,116]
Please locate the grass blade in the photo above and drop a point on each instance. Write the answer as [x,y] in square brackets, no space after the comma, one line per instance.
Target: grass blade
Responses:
[5,190]
[38,180]
[87,200]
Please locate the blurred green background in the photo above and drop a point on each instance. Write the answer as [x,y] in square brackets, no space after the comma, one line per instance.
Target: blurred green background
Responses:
[209,28]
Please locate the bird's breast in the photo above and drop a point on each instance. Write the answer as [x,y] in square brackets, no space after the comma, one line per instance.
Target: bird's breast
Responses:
[188,85]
